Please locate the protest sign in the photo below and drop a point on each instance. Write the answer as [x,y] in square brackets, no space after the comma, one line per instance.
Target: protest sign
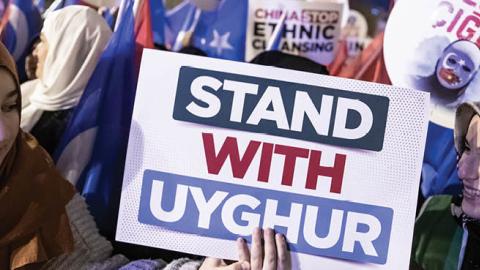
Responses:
[436,50]
[217,148]
[355,34]
[344,3]
[309,29]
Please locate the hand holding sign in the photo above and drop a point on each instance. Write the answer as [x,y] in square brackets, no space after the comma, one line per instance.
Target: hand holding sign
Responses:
[271,254]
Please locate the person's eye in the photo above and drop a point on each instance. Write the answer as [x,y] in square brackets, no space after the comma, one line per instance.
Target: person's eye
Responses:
[9,107]
[466,69]
[466,147]
[451,61]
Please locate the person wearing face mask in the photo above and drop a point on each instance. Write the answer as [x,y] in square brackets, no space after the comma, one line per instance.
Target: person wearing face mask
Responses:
[71,42]
[447,230]
[447,70]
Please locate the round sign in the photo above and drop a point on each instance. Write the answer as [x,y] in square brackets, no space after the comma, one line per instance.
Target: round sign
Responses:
[355,33]
[357,25]
[432,46]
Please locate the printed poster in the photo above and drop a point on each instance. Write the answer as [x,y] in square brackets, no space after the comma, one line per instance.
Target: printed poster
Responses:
[436,50]
[309,29]
[217,148]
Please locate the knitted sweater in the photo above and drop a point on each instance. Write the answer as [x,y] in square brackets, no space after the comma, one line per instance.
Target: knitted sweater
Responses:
[93,252]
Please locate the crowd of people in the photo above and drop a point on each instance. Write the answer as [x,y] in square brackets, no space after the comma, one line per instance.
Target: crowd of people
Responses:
[46,224]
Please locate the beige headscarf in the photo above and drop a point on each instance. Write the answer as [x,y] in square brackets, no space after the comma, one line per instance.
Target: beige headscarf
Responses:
[464,115]
[34,226]
[76,37]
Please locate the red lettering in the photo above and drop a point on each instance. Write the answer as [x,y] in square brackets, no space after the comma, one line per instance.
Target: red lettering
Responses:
[259,13]
[469,32]
[455,20]
[449,6]
[265,162]
[272,14]
[470,2]
[240,164]
[229,149]
[291,154]
[335,172]
[293,16]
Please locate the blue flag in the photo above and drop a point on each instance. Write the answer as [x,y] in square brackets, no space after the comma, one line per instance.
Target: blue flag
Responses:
[439,171]
[158,21]
[175,20]
[107,14]
[24,25]
[93,148]
[220,33]
[3,6]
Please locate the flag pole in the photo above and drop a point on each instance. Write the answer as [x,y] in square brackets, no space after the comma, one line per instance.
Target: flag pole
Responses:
[274,42]
[123,3]
[137,4]
[4,20]
[136,8]
[185,35]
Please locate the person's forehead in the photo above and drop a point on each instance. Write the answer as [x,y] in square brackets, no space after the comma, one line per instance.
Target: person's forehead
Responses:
[474,129]
[465,50]
[462,55]
[7,84]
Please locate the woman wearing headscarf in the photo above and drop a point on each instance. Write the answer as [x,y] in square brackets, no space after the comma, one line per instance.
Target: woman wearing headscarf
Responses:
[43,222]
[447,231]
[71,42]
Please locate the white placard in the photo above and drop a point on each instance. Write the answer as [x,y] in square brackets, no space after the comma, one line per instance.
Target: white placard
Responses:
[310,29]
[432,45]
[218,147]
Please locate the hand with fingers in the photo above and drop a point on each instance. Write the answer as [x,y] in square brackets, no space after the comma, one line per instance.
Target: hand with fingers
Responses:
[268,252]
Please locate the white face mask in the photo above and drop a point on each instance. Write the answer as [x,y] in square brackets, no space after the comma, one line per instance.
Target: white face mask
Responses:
[9,114]
[458,64]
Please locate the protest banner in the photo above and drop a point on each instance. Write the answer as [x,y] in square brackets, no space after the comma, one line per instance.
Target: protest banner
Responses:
[217,148]
[309,29]
[436,50]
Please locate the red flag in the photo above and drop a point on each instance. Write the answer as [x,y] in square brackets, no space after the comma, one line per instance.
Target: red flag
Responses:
[372,67]
[143,29]
[340,59]
[369,65]
[4,21]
